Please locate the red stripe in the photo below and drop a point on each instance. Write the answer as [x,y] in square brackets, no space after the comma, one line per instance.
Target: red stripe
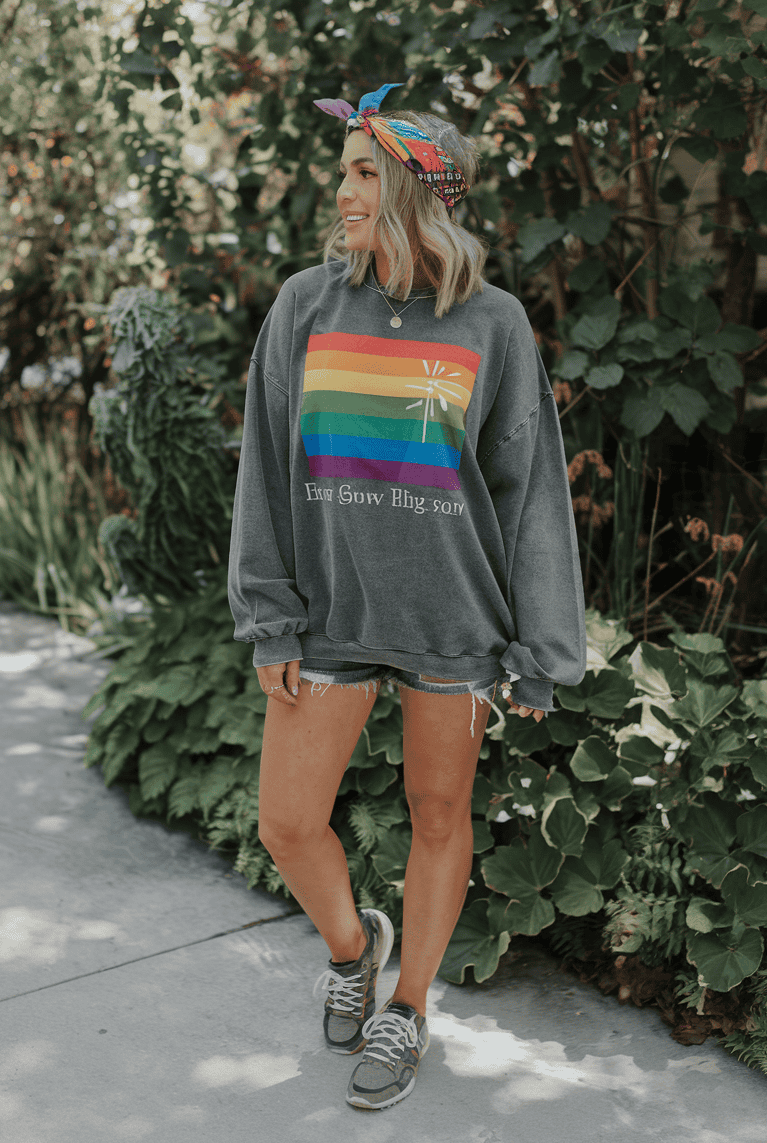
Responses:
[389,347]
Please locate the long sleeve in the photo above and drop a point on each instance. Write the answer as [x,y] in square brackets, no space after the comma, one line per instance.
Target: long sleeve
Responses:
[262,589]
[526,474]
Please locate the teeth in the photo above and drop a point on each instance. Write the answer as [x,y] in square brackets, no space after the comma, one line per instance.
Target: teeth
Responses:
[355,217]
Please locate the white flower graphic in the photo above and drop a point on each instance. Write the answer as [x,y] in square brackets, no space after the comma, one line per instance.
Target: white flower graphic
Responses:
[436,388]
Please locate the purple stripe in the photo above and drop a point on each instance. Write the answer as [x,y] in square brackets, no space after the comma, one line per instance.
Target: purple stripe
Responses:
[355,467]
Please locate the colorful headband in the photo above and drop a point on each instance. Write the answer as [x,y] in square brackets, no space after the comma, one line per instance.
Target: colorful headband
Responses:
[413,147]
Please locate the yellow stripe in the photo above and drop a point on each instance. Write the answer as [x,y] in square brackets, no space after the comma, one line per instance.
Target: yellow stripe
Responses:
[412,387]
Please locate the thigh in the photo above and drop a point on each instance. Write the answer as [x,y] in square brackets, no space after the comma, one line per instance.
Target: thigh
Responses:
[440,755]
[305,751]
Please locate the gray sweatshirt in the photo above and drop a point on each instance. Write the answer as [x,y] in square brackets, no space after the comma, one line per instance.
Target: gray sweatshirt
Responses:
[402,494]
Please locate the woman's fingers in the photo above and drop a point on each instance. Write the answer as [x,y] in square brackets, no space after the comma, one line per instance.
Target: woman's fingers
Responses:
[524,711]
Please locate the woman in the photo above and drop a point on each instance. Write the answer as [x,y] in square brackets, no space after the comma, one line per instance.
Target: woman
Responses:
[402,514]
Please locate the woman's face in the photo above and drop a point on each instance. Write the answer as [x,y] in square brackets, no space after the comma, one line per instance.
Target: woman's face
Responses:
[360,191]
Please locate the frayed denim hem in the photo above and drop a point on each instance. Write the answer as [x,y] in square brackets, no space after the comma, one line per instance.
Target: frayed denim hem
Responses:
[482,691]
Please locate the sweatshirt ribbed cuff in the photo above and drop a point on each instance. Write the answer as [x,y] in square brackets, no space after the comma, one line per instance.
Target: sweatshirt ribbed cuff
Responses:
[278,649]
[535,693]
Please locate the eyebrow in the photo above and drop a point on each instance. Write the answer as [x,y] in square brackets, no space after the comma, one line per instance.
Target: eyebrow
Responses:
[359,162]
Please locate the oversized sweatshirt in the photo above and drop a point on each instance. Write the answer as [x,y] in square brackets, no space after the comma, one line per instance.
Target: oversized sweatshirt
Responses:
[402,494]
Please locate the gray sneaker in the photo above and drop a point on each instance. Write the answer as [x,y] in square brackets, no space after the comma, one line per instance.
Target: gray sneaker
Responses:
[398,1041]
[351,988]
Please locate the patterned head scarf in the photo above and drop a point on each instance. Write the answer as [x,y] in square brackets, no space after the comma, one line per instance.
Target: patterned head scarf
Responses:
[413,147]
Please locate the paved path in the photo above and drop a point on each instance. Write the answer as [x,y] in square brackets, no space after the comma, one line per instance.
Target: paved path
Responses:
[146,994]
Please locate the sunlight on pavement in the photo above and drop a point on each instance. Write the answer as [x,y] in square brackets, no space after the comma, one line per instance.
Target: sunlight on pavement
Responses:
[15,662]
[257,1071]
[541,1071]
[32,935]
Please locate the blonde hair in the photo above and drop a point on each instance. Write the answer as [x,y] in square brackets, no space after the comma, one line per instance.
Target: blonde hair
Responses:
[411,217]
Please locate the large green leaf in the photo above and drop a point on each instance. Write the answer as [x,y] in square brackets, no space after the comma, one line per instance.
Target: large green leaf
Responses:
[754,695]
[605,638]
[704,915]
[473,943]
[598,326]
[657,672]
[642,413]
[574,894]
[616,786]
[725,372]
[527,916]
[757,764]
[572,364]
[564,826]
[535,236]
[483,836]
[752,830]
[687,406]
[577,887]
[157,769]
[703,702]
[749,902]
[604,695]
[593,225]
[709,830]
[519,870]
[706,653]
[725,959]
[605,376]
[593,760]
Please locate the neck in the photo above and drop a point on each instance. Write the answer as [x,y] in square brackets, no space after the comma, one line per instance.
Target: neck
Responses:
[381,269]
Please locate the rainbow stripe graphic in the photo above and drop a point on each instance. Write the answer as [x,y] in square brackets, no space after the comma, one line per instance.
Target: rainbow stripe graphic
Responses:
[379,409]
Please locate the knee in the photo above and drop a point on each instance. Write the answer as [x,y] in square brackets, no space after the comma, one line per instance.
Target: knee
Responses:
[436,818]
[282,837]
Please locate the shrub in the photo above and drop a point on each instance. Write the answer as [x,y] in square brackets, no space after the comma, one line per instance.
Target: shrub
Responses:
[638,810]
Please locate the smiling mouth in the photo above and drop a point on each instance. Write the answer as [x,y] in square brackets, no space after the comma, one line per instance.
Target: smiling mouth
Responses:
[354,221]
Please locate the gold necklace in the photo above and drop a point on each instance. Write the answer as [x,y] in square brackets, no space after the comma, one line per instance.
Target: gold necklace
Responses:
[396,321]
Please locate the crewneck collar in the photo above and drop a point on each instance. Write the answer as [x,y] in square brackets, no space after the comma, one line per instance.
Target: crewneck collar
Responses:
[372,281]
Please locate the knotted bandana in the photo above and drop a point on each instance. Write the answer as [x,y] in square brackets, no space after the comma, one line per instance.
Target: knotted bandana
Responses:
[413,147]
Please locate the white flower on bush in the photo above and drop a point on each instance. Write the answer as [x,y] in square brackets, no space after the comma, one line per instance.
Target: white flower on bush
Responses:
[526,811]
[33,376]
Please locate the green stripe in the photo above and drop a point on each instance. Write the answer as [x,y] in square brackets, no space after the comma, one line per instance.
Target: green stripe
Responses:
[371,405]
[387,428]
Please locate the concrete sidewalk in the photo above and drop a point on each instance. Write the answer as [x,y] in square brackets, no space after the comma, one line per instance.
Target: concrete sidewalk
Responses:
[146,994]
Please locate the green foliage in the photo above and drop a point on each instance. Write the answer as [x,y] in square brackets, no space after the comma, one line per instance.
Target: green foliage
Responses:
[644,826]
[165,446]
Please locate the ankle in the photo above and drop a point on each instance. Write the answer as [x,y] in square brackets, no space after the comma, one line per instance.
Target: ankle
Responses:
[340,954]
[414,1002]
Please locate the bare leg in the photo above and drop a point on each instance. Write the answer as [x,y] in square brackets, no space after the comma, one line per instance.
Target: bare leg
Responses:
[440,763]
[303,757]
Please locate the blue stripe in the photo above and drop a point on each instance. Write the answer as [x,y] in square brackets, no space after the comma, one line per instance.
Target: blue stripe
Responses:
[372,448]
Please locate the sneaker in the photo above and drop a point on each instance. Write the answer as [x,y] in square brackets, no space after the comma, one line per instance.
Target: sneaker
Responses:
[397,1042]
[351,987]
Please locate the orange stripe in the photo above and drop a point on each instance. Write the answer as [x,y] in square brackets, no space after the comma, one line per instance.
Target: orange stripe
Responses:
[390,366]
[389,347]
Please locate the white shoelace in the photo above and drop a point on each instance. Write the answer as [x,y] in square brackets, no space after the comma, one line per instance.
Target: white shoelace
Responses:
[345,991]
[392,1026]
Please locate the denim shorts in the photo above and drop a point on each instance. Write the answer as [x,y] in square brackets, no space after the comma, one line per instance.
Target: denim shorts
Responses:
[346,674]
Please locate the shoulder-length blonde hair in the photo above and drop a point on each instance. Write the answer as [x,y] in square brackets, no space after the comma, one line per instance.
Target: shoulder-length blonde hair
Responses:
[412,218]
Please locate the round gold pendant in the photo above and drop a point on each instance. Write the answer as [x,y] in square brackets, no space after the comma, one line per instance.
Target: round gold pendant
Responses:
[396,322]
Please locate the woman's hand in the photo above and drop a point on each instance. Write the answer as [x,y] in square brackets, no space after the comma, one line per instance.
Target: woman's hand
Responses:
[278,680]
[523,711]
